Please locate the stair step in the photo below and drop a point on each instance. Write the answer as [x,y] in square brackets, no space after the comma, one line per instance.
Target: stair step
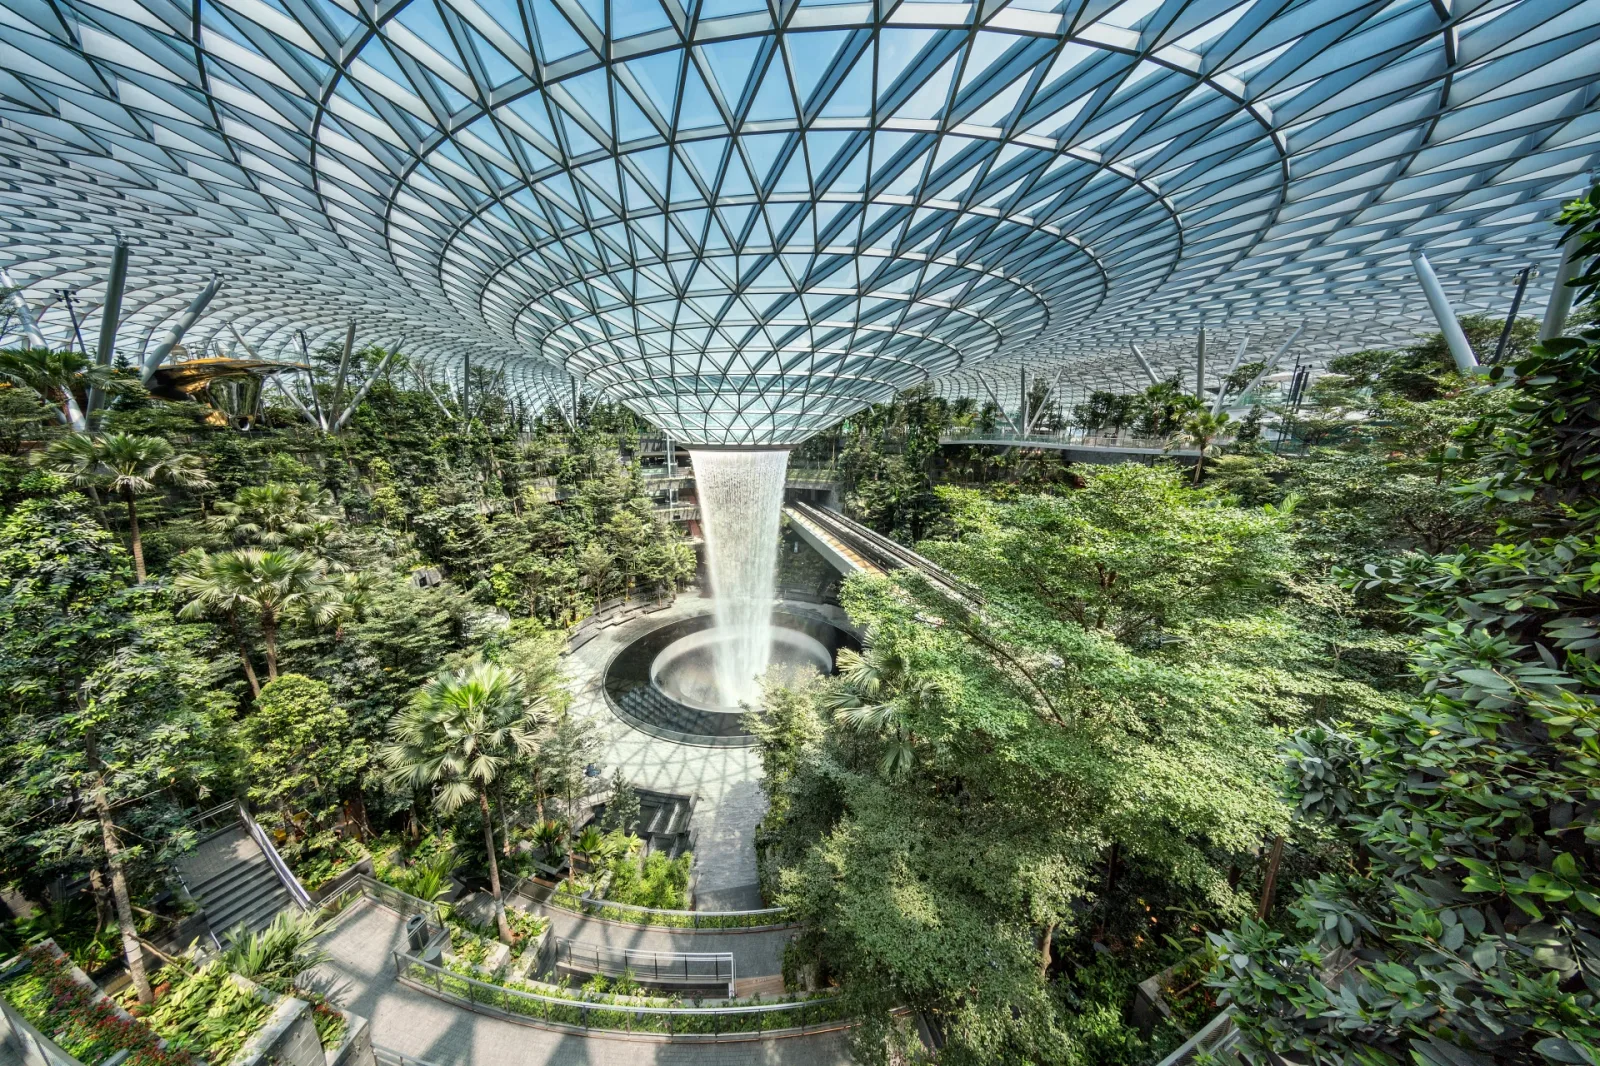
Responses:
[226,896]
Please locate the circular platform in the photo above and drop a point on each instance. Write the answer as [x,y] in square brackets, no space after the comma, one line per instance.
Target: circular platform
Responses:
[663,683]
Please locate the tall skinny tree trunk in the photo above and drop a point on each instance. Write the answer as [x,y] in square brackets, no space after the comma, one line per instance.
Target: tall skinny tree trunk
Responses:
[494,870]
[244,655]
[133,530]
[131,951]
[269,638]
[1269,883]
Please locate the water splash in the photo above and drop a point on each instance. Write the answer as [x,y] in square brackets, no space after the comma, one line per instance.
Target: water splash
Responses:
[741,495]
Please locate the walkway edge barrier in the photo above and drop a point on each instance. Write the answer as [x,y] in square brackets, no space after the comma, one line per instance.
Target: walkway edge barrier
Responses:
[752,1021]
[766,918]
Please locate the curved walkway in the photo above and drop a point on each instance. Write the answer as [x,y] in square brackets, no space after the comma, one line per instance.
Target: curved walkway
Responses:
[757,954]
[359,976]
[726,782]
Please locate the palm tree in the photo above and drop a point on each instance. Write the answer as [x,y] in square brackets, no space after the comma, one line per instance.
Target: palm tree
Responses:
[872,695]
[460,732]
[60,379]
[130,466]
[276,515]
[267,583]
[1201,430]
[550,837]
[590,843]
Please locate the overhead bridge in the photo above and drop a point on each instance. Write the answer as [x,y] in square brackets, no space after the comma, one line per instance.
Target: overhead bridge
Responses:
[851,547]
[1079,447]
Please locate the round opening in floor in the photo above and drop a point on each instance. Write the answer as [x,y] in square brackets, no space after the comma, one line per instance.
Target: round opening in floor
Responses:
[665,681]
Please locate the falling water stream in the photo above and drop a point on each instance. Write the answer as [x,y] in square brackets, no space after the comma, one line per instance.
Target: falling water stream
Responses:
[741,495]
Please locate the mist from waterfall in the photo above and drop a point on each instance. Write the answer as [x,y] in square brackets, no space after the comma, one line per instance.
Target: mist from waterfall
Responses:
[741,496]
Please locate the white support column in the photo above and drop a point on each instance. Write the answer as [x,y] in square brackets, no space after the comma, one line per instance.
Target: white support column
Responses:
[1200,367]
[1460,350]
[191,314]
[1003,413]
[1144,364]
[1271,364]
[1555,314]
[1222,386]
[30,326]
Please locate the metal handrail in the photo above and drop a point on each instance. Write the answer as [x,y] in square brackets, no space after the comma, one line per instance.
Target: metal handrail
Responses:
[1218,1034]
[731,1020]
[388,895]
[956,435]
[584,903]
[297,891]
[653,967]
[241,814]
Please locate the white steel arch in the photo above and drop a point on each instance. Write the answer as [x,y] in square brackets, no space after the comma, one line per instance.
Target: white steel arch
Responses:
[748,218]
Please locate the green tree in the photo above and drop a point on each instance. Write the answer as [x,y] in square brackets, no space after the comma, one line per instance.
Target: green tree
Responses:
[597,567]
[277,515]
[1200,431]
[267,584]
[103,705]
[62,379]
[1473,911]
[457,737]
[298,755]
[129,466]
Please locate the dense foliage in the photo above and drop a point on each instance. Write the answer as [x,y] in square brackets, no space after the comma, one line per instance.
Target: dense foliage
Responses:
[1467,926]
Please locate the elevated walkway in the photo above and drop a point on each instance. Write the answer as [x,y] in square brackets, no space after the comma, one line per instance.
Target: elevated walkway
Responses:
[1079,447]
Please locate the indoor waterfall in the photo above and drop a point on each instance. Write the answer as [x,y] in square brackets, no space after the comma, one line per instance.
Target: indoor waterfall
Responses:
[741,495]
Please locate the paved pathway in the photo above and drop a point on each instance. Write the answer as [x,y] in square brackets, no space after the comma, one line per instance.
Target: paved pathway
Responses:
[360,977]
[755,954]
[725,781]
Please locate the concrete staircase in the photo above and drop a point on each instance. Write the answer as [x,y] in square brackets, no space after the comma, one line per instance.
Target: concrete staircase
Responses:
[233,882]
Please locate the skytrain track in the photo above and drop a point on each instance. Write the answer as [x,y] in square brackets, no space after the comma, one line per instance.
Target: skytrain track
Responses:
[886,553]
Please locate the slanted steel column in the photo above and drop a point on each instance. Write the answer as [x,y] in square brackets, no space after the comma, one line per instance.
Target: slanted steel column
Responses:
[1511,315]
[196,308]
[1222,386]
[1271,364]
[1144,364]
[1460,350]
[110,312]
[366,386]
[30,327]
[1561,293]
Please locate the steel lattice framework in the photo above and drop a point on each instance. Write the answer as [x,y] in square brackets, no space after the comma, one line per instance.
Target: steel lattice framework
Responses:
[746,219]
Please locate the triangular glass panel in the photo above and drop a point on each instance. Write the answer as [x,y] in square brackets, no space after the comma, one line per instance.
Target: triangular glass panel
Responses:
[853,97]
[810,55]
[630,17]
[929,101]
[773,102]
[557,38]
[731,62]
[696,109]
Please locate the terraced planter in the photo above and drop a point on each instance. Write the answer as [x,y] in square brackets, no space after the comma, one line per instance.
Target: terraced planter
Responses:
[734,1022]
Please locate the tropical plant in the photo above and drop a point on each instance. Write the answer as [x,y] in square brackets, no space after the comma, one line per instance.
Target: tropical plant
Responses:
[871,697]
[458,736]
[589,844]
[277,515]
[1200,431]
[550,837]
[129,466]
[277,956]
[62,379]
[267,584]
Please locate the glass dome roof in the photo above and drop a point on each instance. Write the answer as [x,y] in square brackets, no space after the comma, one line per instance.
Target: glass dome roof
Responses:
[745,219]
